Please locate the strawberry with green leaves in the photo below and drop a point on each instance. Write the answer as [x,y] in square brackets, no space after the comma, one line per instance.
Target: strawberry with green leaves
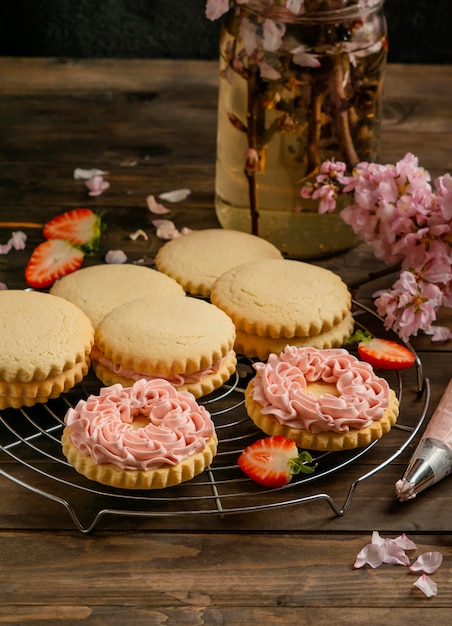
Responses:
[81,227]
[273,461]
[382,354]
[70,236]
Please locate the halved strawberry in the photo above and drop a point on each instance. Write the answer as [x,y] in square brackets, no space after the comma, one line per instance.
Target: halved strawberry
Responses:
[382,353]
[82,227]
[273,461]
[51,260]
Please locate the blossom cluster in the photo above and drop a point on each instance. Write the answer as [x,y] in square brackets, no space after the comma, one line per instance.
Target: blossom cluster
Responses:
[407,221]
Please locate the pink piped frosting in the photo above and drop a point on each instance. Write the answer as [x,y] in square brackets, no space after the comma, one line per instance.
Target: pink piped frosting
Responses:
[177,427]
[175,379]
[281,388]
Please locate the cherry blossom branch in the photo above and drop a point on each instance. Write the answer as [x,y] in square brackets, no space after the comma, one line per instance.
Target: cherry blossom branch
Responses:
[406,221]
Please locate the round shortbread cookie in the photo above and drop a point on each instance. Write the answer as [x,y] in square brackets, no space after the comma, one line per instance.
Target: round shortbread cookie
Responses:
[260,347]
[323,441]
[196,260]
[109,474]
[46,343]
[99,289]
[282,298]
[147,436]
[15,395]
[185,340]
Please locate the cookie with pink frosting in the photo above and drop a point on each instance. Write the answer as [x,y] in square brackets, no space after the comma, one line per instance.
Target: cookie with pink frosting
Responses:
[147,436]
[187,341]
[323,399]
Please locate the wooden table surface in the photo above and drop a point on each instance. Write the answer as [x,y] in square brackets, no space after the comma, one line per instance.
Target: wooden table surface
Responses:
[152,125]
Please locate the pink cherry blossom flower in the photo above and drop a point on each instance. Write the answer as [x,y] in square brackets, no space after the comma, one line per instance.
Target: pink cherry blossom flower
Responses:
[406,221]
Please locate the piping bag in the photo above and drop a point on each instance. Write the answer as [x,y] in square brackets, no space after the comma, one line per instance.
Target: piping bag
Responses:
[432,459]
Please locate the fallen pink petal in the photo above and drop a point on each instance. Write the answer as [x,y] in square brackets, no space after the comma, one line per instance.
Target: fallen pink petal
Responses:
[427,562]
[85,174]
[97,185]
[175,196]
[166,229]
[394,554]
[116,257]
[371,555]
[156,207]
[440,333]
[405,542]
[5,248]
[426,585]
[138,233]
[3,286]
[18,239]
[381,550]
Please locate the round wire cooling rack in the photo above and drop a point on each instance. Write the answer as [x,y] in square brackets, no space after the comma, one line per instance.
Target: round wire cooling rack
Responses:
[31,456]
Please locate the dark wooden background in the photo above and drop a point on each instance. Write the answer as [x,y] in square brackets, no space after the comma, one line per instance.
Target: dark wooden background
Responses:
[419,30]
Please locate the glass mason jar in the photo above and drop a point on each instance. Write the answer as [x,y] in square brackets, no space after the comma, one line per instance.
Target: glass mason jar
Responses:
[295,90]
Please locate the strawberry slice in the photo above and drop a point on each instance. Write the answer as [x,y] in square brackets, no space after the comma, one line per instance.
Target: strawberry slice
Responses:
[273,461]
[51,260]
[382,353]
[81,227]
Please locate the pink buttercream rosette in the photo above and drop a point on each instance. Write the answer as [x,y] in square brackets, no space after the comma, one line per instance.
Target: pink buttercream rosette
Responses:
[282,389]
[172,425]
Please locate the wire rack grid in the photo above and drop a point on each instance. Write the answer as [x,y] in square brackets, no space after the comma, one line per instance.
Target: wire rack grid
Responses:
[31,456]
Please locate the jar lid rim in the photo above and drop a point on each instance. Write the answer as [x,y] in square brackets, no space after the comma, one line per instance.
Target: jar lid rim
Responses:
[361,8]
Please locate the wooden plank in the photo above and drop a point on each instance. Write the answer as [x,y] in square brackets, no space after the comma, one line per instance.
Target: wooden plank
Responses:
[187,570]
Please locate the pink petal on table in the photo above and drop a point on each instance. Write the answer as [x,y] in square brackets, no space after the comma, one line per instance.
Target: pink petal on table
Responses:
[84,174]
[376,539]
[440,333]
[116,257]
[175,196]
[138,233]
[18,239]
[3,286]
[166,229]
[405,542]
[5,247]
[97,185]
[427,562]
[371,554]
[186,231]
[394,554]
[155,207]
[426,585]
